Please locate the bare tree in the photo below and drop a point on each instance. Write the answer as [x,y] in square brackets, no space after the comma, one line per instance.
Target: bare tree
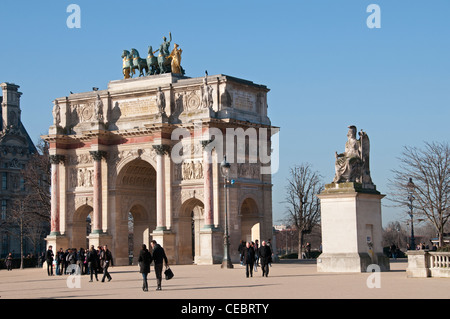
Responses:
[429,170]
[303,206]
[36,175]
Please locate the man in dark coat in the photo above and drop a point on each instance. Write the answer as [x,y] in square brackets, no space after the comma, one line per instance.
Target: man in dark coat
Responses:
[265,254]
[158,256]
[93,262]
[248,258]
[49,259]
[145,259]
[106,260]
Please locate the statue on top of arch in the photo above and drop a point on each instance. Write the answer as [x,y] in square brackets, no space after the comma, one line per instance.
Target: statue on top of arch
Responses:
[353,164]
[166,62]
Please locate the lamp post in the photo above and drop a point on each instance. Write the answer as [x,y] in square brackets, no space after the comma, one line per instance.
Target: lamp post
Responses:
[411,198]
[225,169]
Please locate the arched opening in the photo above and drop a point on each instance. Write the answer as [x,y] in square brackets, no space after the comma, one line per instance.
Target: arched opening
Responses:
[81,228]
[190,222]
[136,209]
[250,221]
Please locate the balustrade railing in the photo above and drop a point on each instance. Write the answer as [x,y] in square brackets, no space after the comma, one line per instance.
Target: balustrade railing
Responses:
[424,263]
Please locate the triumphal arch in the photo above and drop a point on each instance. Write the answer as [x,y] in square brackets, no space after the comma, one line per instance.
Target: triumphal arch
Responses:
[151,147]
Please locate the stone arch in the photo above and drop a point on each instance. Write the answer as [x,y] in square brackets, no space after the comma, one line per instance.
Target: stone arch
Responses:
[250,219]
[123,162]
[135,193]
[79,226]
[190,222]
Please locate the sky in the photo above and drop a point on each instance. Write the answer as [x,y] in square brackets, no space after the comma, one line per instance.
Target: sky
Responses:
[325,68]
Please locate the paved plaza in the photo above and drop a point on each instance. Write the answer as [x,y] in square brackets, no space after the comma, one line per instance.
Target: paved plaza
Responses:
[287,280]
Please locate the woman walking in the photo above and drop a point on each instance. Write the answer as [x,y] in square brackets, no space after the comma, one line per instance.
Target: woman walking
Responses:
[8,262]
[145,259]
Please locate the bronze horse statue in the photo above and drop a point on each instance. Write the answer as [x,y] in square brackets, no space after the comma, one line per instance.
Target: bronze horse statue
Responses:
[127,65]
[152,62]
[139,63]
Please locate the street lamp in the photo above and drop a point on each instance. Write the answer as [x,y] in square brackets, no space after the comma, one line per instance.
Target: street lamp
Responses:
[225,169]
[411,198]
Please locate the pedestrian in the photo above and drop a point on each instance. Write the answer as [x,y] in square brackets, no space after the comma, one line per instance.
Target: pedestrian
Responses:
[308,250]
[256,248]
[99,253]
[106,260]
[8,261]
[393,250]
[265,254]
[241,249]
[92,262]
[59,262]
[64,262]
[248,258]
[49,259]
[145,259]
[271,252]
[158,255]
[80,260]
[71,259]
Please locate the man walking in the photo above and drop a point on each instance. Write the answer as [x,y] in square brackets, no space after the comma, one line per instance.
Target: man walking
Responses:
[264,256]
[49,259]
[92,261]
[248,258]
[106,261]
[158,256]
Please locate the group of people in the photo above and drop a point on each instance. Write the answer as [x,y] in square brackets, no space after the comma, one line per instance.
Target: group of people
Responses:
[252,255]
[95,261]
[92,261]
[158,256]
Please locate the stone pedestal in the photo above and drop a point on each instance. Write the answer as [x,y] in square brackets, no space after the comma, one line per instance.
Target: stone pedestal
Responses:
[57,242]
[351,229]
[166,239]
[102,239]
[211,246]
[418,264]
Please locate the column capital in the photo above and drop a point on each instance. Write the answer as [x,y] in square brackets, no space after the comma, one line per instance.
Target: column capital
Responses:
[97,155]
[161,149]
[56,159]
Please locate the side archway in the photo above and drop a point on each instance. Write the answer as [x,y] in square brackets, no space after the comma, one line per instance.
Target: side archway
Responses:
[81,227]
[190,222]
[250,220]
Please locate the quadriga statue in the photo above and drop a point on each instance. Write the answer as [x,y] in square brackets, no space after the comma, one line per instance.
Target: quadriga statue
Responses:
[353,164]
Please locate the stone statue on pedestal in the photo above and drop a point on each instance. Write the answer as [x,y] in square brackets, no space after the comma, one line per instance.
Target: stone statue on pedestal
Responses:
[56,114]
[353,164]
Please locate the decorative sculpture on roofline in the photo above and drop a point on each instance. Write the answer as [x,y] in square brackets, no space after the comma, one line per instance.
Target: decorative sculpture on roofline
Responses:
[165,62]
[353,164]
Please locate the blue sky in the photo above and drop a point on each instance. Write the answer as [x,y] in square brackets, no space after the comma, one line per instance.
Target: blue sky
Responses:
[325,68]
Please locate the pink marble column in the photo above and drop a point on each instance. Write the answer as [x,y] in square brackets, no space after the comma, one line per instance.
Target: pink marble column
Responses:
[54,208]
[97,184]
[207,185]
[161,150]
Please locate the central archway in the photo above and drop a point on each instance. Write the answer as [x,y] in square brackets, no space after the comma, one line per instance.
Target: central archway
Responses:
[135,196]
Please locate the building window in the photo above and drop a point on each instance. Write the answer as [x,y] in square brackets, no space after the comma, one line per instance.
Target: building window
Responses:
[4,180]
[3,209]
[22,184]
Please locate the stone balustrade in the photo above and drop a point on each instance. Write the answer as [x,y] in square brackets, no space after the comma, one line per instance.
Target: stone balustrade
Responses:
[423,263]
